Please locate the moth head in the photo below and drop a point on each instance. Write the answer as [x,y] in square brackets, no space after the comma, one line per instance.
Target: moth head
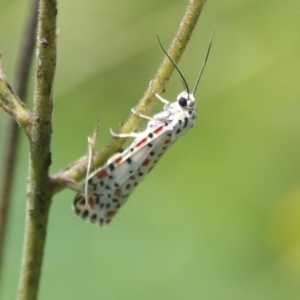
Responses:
[186,100]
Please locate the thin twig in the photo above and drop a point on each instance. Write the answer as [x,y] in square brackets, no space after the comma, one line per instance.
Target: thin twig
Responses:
[77,170]
[12,128]
[39,195]
[11,104]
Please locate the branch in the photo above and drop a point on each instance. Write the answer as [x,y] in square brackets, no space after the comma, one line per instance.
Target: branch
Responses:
[39,194]
[11,104]
[77,170]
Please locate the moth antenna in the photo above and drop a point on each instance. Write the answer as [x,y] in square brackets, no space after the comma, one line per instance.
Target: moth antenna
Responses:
[206,58]
[174,64]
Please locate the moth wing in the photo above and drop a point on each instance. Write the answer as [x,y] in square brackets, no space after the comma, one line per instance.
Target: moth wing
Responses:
[107,186]
[99,209]
[136,155]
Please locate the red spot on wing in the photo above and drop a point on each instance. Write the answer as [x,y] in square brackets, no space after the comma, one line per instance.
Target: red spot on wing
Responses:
[101,174]
[167,141]
[118,192]
[132,177]
[158,130]
[141,142]
[91,203]
[111,213]
[146,162]
[119,160]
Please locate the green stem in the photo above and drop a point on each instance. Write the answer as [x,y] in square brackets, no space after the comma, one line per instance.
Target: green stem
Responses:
[39,194]
[13,106]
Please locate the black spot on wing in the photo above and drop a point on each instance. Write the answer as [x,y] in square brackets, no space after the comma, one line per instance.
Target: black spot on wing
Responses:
[185,122]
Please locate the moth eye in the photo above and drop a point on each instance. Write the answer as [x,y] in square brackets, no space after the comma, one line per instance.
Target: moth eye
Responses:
[182,102]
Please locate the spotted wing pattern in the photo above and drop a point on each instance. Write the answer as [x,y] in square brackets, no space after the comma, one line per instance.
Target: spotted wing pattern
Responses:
[111,185]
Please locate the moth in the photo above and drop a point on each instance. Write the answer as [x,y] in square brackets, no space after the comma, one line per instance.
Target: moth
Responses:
[110,186]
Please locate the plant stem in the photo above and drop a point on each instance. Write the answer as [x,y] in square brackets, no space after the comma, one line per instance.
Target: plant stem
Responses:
[39,194]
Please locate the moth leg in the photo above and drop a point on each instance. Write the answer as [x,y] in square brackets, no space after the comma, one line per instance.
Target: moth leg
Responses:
[124,135]
[72,184]
[91,149]
[140,115]
[164,101]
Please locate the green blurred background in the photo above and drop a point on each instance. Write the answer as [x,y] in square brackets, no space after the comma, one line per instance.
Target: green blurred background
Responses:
[219,217]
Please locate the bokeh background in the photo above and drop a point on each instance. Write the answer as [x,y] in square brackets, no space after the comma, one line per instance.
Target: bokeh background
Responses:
[219,217]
